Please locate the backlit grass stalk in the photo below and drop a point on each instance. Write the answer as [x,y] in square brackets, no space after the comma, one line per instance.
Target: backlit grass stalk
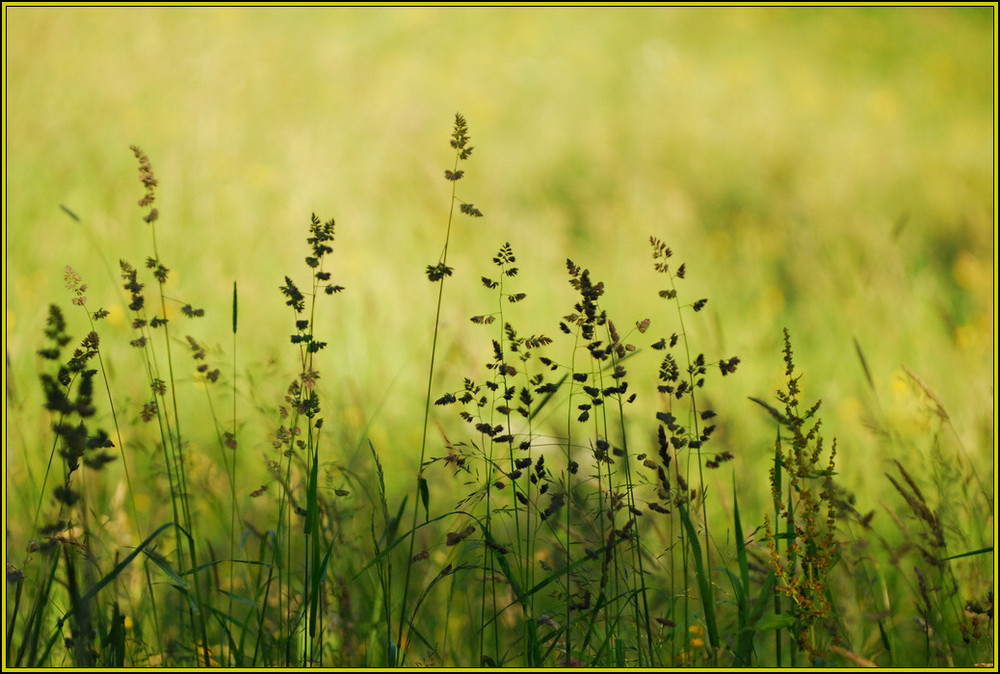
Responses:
[949,635]
[953,607]
[74,282]
[499,382]
[390,526]
[153,409]
[809,514]
[171,434]
[231,443]
[226,441]
[436,274]
[303,401]
[604,383]
[525,491]
[643,622]
[510,484]
[69,533]
[507,344]
[583,330]
[691,435]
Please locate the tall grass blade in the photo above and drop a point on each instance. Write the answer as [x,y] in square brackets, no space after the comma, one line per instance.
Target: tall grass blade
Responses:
[864,365]
[704,582]
[425,497]
[113,643]
[744,645]
[122,565]
[12,621]
[973,553]
[103,582]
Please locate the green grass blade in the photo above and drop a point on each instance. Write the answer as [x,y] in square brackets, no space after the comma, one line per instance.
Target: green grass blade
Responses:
[763,599]
[704,583]
[108,578]
[744,645]
[548,396]
[315,578]
[533,647]
[425,497]
[113,643]
[30,641]
[980,551]
[864,365]
[69,213]
[741,545]
[12,621]
[391,546]
[115,572]
[738,591]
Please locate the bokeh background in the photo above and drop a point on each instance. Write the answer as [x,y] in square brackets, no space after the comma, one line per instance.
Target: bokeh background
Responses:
[828,170]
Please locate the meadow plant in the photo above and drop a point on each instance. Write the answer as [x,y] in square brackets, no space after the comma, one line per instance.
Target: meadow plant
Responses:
[436,273]
[953,600]
[805,520]
[297,445]
[930,559]
[162,407]
[576,529]
[505,477]
[67,535]
[684,429]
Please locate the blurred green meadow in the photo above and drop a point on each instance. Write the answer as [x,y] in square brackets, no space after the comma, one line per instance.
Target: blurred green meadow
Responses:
[828,170]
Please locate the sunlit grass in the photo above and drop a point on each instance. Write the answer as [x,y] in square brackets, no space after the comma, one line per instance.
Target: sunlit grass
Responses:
[827,170]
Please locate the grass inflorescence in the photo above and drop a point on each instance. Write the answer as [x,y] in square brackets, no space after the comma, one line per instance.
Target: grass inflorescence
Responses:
[563,512]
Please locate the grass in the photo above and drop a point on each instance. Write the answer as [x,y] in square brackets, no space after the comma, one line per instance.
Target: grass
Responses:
[251,522]
[556,474]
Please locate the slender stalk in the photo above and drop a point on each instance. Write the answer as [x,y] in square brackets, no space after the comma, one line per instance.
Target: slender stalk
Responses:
[437,273]
[234,516]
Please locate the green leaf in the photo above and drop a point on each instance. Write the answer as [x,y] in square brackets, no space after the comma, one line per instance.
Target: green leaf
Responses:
[113,643]
[704,584]
[312,498]
[392,526]
[425,497]
[125,562]
[741,597]
[766,594]
[741,551]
